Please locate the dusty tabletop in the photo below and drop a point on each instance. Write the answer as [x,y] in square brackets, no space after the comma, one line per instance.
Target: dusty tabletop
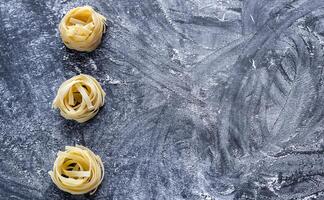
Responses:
[206,99]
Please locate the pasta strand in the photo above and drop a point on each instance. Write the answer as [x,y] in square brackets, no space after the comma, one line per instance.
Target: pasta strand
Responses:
[79,98]
[82,28]
[77,180]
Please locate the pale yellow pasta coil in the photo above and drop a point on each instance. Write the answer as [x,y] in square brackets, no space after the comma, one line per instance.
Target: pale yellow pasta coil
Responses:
[79,98]
[82,28]
[77,170]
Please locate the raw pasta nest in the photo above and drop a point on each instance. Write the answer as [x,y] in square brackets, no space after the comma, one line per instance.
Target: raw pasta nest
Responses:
[79,98]
[82,28]
[77,170]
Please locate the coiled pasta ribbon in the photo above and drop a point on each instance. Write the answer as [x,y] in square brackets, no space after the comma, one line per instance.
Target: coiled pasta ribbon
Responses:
[82,28]
[77,170]
[79,98]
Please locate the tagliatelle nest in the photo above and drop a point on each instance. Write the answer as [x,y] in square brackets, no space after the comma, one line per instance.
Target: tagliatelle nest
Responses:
[79,98]
[82,28]
[77,170]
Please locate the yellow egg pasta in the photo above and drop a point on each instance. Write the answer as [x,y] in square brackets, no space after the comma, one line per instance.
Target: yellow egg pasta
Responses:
[79,98]
[77,170]
[82,28]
